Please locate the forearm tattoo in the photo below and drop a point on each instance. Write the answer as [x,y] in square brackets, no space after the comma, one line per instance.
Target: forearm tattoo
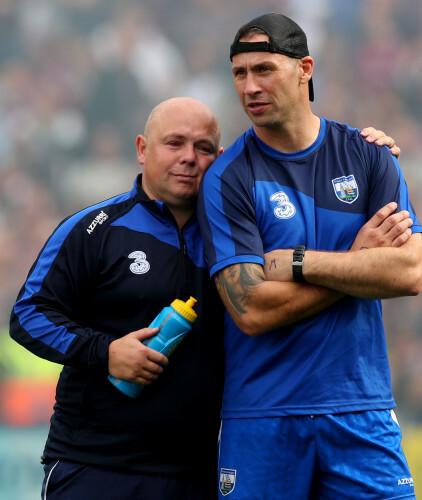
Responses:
[236,284]
[272,264]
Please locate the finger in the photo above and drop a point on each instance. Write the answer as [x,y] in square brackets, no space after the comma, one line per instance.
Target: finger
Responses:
[156,367]
[367,131]
[143,381]
[150,376]
[400,227]
[398,221]
[383,213]
[376,135]
[373,135]
[395,151]
[156,357]
[400,240]
[145,333]
[389,142]
[149,373]
[385,141]
[397,235]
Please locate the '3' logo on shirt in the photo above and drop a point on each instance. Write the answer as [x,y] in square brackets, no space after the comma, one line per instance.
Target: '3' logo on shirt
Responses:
[285,208]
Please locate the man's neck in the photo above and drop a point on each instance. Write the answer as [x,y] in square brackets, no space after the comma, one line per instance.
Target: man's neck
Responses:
[293,136]
[181,213]
[181,216]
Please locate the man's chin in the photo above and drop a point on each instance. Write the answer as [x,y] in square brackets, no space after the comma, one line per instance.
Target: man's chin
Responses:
[186,194]
[258,120]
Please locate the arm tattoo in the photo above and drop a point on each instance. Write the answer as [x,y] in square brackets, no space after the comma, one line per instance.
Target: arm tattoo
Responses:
[273,263]
[236,283]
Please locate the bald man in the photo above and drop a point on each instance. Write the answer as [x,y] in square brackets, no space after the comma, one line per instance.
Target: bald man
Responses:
[101,278]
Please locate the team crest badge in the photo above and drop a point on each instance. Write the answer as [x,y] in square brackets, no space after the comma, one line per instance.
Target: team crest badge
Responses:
[227,481]
[346,188]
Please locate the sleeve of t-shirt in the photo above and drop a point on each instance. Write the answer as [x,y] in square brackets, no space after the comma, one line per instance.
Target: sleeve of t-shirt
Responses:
[387,183]
[227,219]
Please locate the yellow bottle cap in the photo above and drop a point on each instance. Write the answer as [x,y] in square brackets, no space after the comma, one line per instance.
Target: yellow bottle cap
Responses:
[185,308]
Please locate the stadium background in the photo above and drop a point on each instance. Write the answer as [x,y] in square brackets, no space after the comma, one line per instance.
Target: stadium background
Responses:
[77,81]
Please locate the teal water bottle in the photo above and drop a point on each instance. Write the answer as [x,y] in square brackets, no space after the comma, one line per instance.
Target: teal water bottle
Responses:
[174,322]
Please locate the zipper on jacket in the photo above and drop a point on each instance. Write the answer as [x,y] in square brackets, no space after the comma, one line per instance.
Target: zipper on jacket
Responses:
[185,289]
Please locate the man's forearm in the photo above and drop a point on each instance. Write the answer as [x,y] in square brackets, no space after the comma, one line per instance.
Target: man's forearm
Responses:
[258,305]
[375,273]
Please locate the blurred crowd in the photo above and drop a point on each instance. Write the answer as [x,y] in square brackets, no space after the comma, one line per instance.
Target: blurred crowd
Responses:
[78,79]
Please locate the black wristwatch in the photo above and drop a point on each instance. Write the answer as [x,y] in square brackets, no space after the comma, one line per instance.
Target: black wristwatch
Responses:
[297,263]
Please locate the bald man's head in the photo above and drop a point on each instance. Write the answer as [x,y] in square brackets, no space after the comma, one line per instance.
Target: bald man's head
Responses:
[185,105]
[181,140]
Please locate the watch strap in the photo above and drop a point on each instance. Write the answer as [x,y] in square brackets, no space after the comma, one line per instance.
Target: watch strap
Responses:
[297,263]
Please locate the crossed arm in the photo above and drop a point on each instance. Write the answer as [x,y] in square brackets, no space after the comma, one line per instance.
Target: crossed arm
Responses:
[258,305]
[374,273]
[384,261]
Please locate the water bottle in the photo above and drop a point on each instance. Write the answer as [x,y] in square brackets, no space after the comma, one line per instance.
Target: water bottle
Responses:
[174,322]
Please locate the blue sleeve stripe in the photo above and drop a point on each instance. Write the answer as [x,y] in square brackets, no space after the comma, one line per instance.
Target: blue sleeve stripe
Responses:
[237,259]
[40,328]
[213,201]
[34,322]
[215,213]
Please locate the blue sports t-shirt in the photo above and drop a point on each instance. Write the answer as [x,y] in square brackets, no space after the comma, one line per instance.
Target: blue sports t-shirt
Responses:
[255,199]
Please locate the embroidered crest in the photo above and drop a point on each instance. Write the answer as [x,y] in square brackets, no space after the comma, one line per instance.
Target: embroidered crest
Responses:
[285,208]
[141,265]
[227,480]
[346,188]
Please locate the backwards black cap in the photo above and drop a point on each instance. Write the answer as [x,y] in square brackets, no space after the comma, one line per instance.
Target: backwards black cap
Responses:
[285,37]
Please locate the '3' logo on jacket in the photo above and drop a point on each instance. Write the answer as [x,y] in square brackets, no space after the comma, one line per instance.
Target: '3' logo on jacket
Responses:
[141,265]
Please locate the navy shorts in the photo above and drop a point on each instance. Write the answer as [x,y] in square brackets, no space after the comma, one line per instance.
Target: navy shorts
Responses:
[323,457]
[70,481]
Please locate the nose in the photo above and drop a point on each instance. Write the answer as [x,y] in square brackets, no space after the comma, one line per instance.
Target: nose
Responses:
[188,155]
[251,84]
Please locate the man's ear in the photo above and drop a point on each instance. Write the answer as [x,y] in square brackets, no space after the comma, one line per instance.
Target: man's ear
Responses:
[221,150]
[307,64]
[141,146]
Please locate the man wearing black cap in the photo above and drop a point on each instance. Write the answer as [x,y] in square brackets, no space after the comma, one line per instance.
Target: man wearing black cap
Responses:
[308,406]
[281,36]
